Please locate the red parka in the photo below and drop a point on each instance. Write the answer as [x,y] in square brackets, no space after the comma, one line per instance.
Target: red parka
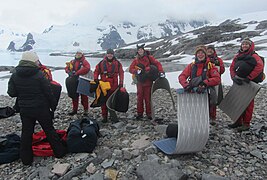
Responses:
[46,71]
[109,72]
[217,61]
[146,60]
[258,68]
[80,67]
[213,77]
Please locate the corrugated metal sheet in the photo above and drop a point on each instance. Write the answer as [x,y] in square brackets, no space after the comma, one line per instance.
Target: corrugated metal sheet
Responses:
[193,122]
[238,99]
[193,125]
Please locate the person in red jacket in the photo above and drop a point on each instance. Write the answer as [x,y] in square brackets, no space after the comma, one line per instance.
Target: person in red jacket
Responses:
[201,73]
[246,53]
[109,70]
[76,67]
[218,62]
[141,65]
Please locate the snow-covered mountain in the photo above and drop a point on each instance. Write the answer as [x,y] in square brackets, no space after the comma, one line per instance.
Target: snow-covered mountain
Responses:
[106,34]
[225,35]
[7,35]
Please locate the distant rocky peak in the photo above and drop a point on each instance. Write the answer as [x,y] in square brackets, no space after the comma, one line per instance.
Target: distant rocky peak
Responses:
[48,29]
[196,24]
[127,24]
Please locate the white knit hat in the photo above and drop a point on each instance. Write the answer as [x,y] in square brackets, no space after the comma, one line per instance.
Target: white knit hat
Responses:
[79,51]
[29,56]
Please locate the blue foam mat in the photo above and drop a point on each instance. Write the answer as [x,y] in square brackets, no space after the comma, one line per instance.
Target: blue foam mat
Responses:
[84,88]
[167,146]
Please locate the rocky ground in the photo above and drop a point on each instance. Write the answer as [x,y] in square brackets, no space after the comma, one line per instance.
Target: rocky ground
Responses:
[126,152]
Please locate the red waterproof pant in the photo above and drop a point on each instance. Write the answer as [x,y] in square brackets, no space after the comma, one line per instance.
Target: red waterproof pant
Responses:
[84,101]
[212,110]
[246,117]
[143,93]
[104,107]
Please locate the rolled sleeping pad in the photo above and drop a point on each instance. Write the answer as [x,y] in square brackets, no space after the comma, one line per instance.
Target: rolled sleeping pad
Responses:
[172,130]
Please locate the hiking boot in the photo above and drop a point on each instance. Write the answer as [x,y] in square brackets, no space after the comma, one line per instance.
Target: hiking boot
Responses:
[234,125]
[104,120]
[114,120]
[243,128]
[85,112]
[139,117]
[212,122]
[72,113]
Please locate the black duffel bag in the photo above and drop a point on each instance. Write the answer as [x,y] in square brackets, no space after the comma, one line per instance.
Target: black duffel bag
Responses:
[82,135]
[6,112]
[71,85]
[9,148]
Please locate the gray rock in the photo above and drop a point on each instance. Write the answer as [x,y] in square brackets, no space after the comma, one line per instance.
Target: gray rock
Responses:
[175,163]
[257,154]
[107,163]
[161,129]
[118,125]
[213,177]
[135,152]
[150,150]
[126,154]
[151,170]
[96,176]
[104,153]
[152,157]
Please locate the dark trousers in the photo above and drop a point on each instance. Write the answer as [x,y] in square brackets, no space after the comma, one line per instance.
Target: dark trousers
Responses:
[29,116]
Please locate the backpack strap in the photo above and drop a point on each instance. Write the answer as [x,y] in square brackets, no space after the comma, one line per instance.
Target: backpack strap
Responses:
[105,68]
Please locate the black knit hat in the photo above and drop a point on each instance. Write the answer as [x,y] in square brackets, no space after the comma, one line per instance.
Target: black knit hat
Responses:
[211,47]
[110,51]
[142,46]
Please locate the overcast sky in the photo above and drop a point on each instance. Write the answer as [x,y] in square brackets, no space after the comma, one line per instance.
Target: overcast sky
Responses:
[36,15]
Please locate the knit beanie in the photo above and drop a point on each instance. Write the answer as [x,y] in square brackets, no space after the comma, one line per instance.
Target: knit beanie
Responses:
[79,51]
[211,47]
[246,40]
[201,48]
[110,51]
[29,56]
[142,46]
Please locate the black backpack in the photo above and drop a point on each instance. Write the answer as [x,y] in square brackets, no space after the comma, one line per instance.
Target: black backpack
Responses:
[82,135]
[244,65]
[9,148]
[261,76]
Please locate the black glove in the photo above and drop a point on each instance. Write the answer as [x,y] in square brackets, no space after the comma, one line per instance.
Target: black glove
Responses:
[202,84]
[96,81]
[238,81]
[201,89]
[188,88]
